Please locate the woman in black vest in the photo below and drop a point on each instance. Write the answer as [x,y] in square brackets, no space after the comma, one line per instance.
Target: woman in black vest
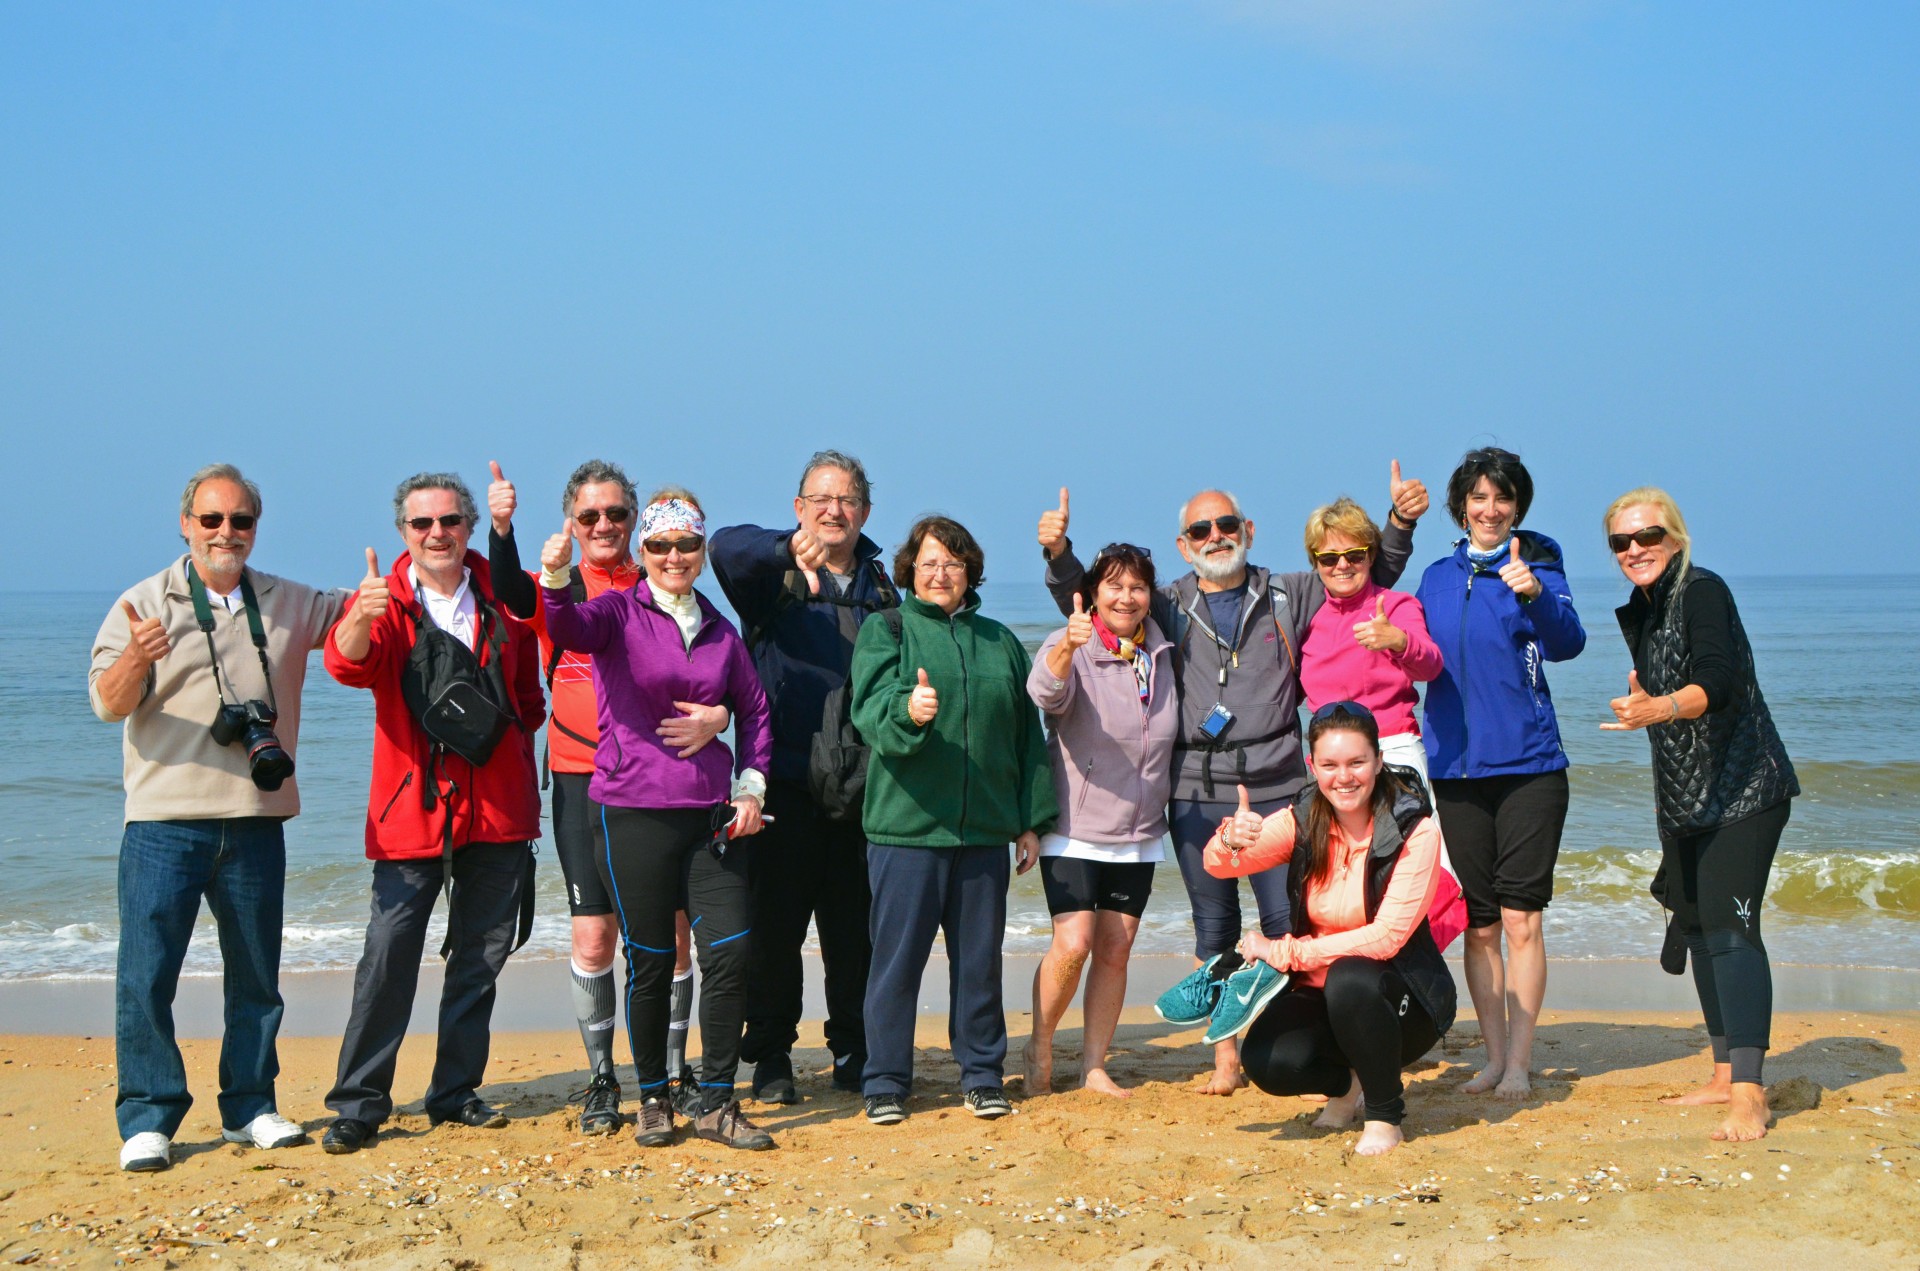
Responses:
[1722,789]
[1369,992]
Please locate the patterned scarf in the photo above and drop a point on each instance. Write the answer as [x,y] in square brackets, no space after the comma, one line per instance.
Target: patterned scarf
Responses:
[1121,647]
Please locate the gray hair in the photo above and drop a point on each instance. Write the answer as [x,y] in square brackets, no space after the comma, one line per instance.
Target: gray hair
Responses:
[847,464]
[598,472]
[1228,495]
[434,481]
[218,472]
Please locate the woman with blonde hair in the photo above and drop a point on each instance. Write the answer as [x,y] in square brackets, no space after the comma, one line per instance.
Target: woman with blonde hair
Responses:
[1722,790]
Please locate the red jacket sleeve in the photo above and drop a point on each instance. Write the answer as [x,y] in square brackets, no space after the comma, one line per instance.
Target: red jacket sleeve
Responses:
[382,640]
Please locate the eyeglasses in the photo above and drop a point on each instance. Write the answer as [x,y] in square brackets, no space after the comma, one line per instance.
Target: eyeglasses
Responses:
[1331,709]
[1201,531]
[241,521]
[937,568]
[1648,537]
[422,524]
[685,546]
[591,517]
[1353,556]
[821,502]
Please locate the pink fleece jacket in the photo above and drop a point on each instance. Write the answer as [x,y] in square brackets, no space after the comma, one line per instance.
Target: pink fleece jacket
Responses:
[1335,667]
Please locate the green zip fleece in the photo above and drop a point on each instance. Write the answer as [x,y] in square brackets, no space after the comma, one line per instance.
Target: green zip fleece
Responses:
[979,772]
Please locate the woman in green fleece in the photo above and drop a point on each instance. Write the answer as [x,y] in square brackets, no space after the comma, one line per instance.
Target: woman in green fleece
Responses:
[958,769]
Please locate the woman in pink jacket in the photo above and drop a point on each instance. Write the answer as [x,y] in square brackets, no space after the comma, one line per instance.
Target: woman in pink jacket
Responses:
[1106,686]
[1369,992]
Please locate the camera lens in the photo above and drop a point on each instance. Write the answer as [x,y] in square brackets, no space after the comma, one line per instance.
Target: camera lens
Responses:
[267,761]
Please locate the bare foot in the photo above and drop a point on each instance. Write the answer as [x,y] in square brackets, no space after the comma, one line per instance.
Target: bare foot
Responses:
[1224,1081]
[1097,1080]
[1712,1092]
[1339,1113]
[1038,1065]
[1313,1098]
[1485,1080]
[1514,1085]
[1747,1115]
[1378,1139]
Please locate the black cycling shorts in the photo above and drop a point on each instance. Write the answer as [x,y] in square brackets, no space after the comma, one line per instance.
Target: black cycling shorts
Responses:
[1503,837]
[576,841]
[1075,885]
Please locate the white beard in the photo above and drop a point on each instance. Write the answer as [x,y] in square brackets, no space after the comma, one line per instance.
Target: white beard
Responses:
[1221,566]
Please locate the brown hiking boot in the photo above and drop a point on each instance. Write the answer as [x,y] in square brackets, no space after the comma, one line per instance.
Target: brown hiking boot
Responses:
[727,1124]
[656,1122]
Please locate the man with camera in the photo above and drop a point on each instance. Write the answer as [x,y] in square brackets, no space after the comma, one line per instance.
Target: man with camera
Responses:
[453,805]
[204,663]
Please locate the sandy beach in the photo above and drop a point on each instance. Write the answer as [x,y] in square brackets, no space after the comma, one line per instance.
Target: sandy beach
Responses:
[1590,1171]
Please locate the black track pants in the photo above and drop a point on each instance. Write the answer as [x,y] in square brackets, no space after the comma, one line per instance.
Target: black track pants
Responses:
[1722,876]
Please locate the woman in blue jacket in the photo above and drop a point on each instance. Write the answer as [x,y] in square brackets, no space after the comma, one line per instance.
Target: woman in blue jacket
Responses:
[1499,609]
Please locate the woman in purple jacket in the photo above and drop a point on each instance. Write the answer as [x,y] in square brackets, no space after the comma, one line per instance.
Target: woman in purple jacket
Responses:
[1106,686]
[669,825]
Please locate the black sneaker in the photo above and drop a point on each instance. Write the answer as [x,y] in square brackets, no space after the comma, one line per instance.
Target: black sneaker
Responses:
[773,1079]
[988,1102]
[685,1093]
[600,1111]
[886,1109]
[656,1122]
[848,1072]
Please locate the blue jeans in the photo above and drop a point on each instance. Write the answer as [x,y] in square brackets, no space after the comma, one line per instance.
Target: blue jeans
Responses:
[240,865]
[1216,901]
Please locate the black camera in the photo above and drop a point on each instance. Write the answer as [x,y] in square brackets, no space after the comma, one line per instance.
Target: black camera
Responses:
[251,724]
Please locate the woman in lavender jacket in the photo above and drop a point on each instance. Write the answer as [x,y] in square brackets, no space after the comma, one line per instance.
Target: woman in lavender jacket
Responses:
[1106,687]
[669,826]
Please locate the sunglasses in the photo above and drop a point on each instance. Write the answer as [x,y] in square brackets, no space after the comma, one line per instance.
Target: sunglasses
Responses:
[685,546]
[1331,709]
[422,524]
[1117,549]
[1353,556]
[1648,537]
[615,516]
[241,521]
[1200,531]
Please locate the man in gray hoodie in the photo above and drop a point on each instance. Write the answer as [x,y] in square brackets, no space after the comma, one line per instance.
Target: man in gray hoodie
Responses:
[1237,630]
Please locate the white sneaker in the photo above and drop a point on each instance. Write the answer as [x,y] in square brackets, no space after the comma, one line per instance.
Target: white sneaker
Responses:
[145,1152]
[269,1130]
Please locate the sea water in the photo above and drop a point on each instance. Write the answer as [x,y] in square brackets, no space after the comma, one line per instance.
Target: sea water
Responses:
[1837,662]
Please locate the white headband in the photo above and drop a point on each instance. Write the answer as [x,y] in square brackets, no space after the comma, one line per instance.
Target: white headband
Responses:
[671,514]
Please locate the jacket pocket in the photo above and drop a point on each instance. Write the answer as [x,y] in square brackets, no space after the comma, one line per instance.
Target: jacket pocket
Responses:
[1086,784]
[395,796]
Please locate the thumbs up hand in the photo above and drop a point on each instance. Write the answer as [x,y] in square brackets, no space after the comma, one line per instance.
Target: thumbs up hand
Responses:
[1637,710]
[501,501]
[1242,830]
[1516,575]
[374,595]
[1053,527]
[809,555]
[924,703]
[1378,633]
[148,637]
[1079,626]
[557,554]
[1409,497]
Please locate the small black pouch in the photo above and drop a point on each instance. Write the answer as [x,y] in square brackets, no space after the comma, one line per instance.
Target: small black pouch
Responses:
[1673,950]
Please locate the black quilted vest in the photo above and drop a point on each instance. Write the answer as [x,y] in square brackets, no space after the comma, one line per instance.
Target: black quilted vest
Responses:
[1418,962]
[1725,765]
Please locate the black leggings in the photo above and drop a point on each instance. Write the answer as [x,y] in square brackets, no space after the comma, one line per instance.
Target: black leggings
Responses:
[1715,883]
[654,862]
[1312,1040]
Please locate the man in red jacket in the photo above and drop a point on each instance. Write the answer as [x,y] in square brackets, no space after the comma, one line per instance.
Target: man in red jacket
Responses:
[430,810]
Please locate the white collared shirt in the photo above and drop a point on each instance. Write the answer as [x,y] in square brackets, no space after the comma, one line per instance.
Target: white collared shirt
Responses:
[456,613]
[233,601]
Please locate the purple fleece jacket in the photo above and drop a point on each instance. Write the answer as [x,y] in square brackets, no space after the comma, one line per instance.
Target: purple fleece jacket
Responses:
[641,667]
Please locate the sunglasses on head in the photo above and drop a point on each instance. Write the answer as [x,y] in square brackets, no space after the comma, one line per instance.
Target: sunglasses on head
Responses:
[1648,537]
[1117,549]
[1200,531]
[241,521]
[685,546]
[1353,556]
[591,517]
[1331,709]
[422,524]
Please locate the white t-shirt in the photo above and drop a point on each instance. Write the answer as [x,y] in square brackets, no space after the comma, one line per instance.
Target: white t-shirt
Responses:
[1146,851]
[456,613]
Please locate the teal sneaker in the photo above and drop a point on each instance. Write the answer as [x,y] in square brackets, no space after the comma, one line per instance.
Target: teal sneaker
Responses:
[1193,999]
[1245,994]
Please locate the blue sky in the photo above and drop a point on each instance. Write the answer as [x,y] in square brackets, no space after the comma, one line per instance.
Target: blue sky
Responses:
[992,247]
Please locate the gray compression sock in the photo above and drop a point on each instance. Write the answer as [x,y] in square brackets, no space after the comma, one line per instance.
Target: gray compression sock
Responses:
[1746,1061]
[593,1007]
[1719,1045]
[680,1011]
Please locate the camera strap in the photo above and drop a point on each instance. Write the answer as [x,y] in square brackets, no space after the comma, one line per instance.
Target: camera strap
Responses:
[203,614]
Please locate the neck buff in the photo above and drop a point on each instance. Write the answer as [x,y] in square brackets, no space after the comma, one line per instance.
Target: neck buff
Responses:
[1122,647]
[671,514]
[1493,558]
